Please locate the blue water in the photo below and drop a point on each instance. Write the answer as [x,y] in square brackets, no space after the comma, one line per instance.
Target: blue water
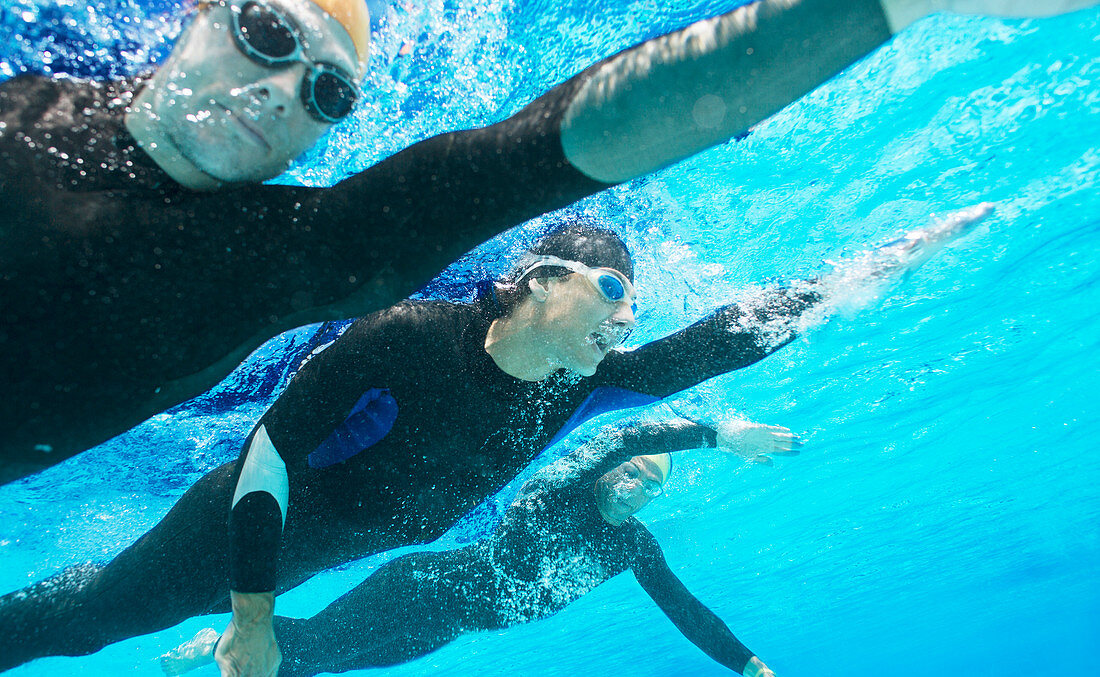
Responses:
[944,517]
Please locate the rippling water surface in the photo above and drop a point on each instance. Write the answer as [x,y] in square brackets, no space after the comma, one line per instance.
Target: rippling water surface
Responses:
[944,515]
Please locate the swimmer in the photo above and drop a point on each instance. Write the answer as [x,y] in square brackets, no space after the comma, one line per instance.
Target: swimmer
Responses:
[570,528]
[414,416]
[141,262]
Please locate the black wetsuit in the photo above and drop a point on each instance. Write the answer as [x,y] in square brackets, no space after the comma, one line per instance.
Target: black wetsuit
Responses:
[463,430]
[122,294]
[116,282]
[551,548]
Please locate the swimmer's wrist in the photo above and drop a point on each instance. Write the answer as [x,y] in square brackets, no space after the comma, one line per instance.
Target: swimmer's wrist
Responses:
[252,609]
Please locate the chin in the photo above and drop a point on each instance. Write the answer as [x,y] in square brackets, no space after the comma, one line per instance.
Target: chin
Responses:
[242,169]
[200,144]
[586,371]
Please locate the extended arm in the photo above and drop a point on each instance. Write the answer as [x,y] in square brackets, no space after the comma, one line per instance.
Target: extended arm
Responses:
[311,427]
[734,337]
[637,111]
[741,334]
[615,445]
[698,623]
[749,440]
[677,94]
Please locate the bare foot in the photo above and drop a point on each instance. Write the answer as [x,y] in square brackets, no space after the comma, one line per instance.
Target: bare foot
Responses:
[194,653]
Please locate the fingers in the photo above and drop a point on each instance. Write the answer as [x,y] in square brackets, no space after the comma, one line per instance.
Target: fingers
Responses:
[960,221]
[786,444]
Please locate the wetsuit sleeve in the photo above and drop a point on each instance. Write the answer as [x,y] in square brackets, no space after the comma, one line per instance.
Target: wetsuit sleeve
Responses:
[316,402]
[407,217]
[257,515]
[698,623]
[613,446]
[734,337]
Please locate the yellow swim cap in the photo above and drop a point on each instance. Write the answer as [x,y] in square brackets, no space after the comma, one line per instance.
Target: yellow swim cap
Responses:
[662,461]
[354,17]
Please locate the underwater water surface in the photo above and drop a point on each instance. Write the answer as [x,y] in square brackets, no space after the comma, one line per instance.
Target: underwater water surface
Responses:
[944,516]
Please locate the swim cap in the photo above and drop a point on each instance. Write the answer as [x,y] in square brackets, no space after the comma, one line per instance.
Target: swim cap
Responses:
[662,461]
[584,241]
[354,17]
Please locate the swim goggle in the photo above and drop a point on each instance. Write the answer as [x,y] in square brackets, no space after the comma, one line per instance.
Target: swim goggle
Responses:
[270,38]
[612,285]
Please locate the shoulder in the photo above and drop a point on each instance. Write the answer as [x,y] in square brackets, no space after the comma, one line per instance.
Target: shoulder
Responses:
[411,318]
[421,327]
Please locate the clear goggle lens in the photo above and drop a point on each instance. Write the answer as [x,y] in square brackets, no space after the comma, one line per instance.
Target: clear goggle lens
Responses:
[267,37]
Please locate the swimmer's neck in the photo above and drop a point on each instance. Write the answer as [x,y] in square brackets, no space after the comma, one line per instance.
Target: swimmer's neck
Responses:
[147,129]
[513,340]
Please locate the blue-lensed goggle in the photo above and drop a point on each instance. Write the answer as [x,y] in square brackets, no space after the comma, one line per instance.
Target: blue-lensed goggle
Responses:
[612,285]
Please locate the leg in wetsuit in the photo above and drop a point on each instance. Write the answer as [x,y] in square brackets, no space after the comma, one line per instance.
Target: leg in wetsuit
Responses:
[408,608]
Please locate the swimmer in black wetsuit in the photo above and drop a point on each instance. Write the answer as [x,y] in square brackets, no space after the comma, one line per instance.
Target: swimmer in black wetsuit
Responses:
[569,530]
[408,421]
[129,285]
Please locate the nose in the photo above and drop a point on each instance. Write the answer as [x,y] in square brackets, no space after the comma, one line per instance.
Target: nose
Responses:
[623,316]
[275,94]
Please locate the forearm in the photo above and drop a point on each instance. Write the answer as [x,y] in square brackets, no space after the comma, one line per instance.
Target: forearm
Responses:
[680,93]
[256,517]
[732,338]
[698,623]
[705,630]
[619,444]
[664,437]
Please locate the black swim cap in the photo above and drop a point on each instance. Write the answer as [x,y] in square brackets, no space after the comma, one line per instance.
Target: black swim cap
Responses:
[573,239]
[585,241]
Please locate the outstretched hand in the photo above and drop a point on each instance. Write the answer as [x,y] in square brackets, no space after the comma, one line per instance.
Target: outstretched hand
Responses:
[757,442]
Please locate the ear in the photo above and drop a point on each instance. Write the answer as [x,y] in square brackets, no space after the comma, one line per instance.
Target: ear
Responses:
[540,291]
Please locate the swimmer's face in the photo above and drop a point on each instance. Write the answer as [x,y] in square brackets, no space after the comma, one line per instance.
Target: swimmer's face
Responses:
[627,489]
[582,324]
[232,117]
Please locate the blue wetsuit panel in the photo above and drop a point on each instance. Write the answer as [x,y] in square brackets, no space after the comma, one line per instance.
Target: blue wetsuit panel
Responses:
[600,401]
[370,420]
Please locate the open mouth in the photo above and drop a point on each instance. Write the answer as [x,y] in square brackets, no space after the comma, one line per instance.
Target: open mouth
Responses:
[599,339]
[608,334]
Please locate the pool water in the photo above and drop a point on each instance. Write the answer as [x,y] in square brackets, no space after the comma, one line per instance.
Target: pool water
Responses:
[944,516]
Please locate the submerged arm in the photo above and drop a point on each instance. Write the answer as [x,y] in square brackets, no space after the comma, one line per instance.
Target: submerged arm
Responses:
[633,113]
[734,337]
[677,94]
[256,521]
[698,623]
[615,445]
[304,431]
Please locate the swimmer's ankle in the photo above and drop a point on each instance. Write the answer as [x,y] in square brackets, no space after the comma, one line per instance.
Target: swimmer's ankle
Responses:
[194,653]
